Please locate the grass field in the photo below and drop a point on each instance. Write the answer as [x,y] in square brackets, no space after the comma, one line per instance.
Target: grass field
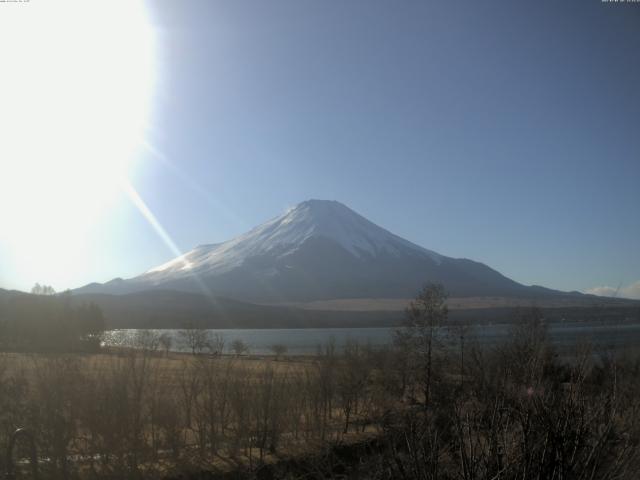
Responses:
[513,407]
[140,411]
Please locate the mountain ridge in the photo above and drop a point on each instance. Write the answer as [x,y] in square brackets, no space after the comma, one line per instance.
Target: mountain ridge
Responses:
[318,250]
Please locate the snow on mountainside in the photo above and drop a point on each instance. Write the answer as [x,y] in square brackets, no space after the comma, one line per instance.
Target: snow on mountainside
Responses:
[285,234]
[318,250]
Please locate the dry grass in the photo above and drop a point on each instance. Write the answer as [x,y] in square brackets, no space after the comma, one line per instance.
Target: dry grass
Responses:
[171,365]
[142,411]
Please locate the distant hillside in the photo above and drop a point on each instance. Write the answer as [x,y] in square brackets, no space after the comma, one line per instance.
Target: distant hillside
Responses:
[9,293]
[466,303]
[174,309]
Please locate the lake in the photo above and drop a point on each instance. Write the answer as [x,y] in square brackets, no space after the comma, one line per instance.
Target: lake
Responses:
[305,341]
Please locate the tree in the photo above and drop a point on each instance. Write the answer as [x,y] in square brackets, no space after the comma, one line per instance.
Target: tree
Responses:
[90,324]
[528,351]
[166,341]
[197,339]
[239,346]
[460,331]
[147,340]
[426,315]
[279,350]
[38,289]
[352,377]
[216,344]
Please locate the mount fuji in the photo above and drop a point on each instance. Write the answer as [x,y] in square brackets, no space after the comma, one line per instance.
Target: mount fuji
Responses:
[318,250]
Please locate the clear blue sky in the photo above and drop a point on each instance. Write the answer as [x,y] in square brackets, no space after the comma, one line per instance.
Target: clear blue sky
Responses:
[506,132]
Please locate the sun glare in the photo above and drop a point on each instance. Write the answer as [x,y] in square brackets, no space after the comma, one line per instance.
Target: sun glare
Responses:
[76,86]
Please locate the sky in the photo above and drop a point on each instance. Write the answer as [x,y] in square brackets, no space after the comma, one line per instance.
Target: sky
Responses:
[505,132]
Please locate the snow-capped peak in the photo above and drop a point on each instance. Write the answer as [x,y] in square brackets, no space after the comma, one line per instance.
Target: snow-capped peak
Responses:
[335,221]
[284,234]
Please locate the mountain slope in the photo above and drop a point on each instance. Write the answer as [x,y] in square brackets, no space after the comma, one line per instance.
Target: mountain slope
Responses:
[318,250]
[286,234]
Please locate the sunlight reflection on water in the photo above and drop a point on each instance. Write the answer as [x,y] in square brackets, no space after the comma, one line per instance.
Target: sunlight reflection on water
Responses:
[306,341]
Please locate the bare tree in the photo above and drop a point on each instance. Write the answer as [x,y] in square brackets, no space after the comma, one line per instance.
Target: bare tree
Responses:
[38,289]
[421,333]
[166,341]
[351,383]
[324,382]
[460,332]
[279,350]
[217,344]
[239,347]
[196,339]
[528,350]
[147,340]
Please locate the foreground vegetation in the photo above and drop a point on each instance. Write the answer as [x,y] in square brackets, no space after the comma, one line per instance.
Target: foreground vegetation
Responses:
[45,323]
[430,407]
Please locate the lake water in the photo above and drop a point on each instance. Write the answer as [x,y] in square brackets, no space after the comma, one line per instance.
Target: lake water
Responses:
[305,341]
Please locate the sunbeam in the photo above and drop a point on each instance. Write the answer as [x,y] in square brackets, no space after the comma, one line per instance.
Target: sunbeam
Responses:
[142,207]
[146,212]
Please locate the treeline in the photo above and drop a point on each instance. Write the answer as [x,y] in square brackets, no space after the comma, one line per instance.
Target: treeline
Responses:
[46,323]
